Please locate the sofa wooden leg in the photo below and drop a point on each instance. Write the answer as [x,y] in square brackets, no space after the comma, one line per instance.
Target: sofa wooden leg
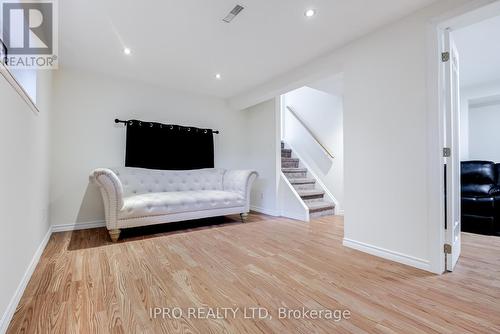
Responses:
[114,235]
[244,217]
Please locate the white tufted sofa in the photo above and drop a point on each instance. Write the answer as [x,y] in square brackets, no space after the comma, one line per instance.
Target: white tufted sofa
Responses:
[137,197]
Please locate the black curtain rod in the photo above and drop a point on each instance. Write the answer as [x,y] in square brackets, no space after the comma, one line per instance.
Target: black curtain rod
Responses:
[125,122]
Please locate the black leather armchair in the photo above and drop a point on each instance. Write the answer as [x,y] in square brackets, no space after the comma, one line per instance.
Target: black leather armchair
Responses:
[480,197]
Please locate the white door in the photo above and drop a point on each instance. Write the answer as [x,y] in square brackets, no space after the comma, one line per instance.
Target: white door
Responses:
[452,158]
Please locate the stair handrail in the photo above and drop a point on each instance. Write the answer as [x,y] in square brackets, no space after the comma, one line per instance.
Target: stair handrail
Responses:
[327,151]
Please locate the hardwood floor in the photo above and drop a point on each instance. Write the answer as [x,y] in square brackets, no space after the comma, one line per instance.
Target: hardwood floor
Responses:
[86,284]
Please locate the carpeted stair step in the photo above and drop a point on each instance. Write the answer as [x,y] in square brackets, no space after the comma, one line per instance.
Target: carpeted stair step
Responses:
[289,163]
[286,153]
[293,173]
[321,209]
[303,183]
[311,195]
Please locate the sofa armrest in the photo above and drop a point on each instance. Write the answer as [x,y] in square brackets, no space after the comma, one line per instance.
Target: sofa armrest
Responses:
[112,193]
[240,181]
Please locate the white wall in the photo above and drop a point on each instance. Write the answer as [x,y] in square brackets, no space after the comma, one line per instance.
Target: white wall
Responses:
[484,133]
[387,167]
[468,95]
[464,129]
[323,114]
[24,174]
[85,136]
[263,152]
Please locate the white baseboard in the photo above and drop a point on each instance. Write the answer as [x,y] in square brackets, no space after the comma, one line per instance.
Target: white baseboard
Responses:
[265,211]
[78,226]
[388,254]
[11,307]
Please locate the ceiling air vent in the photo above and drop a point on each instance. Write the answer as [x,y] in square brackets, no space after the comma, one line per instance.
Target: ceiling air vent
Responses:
[232,14]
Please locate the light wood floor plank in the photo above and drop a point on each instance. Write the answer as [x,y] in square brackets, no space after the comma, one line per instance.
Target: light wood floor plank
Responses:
[86,284]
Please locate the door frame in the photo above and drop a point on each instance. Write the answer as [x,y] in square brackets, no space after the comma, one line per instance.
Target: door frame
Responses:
[472,12]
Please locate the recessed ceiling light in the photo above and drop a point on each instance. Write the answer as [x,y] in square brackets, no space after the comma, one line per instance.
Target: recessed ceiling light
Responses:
[310,13]
[218,76]
[127,51]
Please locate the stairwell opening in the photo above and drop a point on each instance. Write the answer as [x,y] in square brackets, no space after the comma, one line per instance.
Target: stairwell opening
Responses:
[312,150]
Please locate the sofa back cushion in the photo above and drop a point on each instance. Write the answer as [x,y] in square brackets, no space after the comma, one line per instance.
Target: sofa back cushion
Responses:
[497,174]
[477,177]
[137,181]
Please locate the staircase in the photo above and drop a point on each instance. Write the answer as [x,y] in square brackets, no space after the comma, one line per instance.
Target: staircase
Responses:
[311,194]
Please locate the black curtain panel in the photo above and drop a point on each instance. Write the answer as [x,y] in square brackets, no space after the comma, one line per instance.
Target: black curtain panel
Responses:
[168,147]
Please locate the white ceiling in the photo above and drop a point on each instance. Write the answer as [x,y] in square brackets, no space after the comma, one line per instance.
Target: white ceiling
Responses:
[183,44]
[479,51]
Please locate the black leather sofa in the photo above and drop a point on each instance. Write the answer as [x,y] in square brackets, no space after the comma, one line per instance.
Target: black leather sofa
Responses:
[480,197]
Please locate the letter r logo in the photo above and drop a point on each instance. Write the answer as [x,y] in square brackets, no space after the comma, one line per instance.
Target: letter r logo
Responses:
[27,27]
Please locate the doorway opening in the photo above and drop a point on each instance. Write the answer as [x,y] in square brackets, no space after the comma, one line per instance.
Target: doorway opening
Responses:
[470,111]
[479,132]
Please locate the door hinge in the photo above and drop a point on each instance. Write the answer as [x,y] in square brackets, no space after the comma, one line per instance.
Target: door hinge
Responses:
[446,152]
[445,56]
[447,248]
